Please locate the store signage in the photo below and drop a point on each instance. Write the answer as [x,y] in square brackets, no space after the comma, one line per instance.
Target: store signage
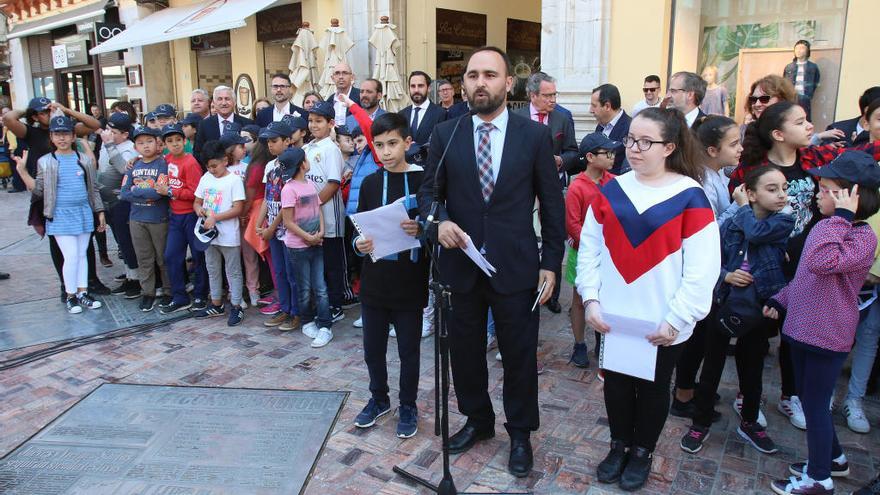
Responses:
[77,53]
[208,41]
[106,30]
[244,96]
[461,28]
[523,35]
[85,27]
[59,57]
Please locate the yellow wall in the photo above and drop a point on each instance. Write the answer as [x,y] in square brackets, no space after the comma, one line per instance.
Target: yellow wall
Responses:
[639,46]
[857,70]
[247,55]
[421,25]
[319,13]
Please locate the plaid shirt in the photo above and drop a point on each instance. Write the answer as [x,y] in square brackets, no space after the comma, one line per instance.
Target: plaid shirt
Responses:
[808,157]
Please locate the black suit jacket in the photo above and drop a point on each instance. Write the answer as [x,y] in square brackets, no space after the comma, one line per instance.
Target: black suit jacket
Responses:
[266,115]
[848,127]
[504,225]
[433,116]
[562,134]
[457,110]
[700,117]
[618,132]
[209,129]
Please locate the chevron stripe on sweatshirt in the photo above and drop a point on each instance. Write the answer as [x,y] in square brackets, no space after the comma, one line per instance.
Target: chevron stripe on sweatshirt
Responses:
[637,242]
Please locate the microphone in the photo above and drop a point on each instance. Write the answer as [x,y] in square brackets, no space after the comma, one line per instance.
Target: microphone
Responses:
[435,205]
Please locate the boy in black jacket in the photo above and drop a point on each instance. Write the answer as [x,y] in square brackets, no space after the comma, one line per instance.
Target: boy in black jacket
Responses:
[394,289]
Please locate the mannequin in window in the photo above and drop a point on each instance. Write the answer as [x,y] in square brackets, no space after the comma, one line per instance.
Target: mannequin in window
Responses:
[804,74]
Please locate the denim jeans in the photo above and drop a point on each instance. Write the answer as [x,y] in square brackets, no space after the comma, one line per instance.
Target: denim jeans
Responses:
[181,235]
[307,265]
[864,351]
[285,281]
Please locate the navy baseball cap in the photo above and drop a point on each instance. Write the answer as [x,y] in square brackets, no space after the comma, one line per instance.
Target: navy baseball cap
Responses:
[165,110]
[203,237]
[325,108]
[342,130]
[170,129]
[230,138]
[290,161]
[120,121]
[857,167]
[597,141]
[150,116]
[296,123]
[145,131]
[61,124]
[252,129]
[39,104]
[191,119]
[276,129]
[232,127]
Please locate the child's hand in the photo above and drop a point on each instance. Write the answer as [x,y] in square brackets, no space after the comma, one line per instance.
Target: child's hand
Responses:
[665,335]
[740,196]
[593,314]
[102,222]
[739,278]
[345,99]
[210,221]
[162,188]
[411,227]
[21,161]
[266,233]
[846,199]
[771,313]
[106,136]
[130,164]
[364,245]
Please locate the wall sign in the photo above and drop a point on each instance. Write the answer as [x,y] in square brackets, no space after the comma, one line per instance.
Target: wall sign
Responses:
[244,96]
[59,57]
[133,76]
[106,30]
[279,23]
[69,55]
[461,28]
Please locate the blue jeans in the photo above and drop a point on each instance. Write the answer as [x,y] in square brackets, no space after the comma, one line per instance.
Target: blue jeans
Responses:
[490,326]
[307,265]
[181,235]
[864,351]
[285,281]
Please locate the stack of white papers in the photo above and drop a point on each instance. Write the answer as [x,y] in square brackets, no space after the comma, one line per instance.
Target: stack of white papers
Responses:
[625,348]
[474,254]
[382,226]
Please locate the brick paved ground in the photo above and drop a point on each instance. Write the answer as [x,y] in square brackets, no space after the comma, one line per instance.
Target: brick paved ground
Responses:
[572,439]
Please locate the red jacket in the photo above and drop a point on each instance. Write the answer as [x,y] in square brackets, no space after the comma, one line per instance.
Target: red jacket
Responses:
[365,122]
[184,174]
[581,193]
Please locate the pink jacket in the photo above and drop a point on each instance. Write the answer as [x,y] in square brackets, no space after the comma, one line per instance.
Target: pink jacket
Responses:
[822,299]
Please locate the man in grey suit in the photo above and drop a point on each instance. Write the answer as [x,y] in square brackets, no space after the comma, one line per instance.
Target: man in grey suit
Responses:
[541,89]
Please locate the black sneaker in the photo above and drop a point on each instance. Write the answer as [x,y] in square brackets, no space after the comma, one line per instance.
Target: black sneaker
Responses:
[133,291]
[99,289]
[610,469]
[165,300]
[408,423]
[638,468]
[120,277]
[693,440]
[235,316]
[872,488]
[174,307]
[352,301]
[63,296]
[757,436]
[73,306]
[121,288]
[198,304]
[681,409]
[336,314]
[211,312]
[148,303]
[371,412]
[86,301]
[838,470]
[580,356]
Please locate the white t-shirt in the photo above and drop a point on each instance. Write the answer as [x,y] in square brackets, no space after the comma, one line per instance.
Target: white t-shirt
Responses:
[269,167]
[239,169]
[217,195]
[326,164]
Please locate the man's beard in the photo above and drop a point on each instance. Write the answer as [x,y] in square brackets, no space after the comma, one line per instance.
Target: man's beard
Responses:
[418,98]
[492,103]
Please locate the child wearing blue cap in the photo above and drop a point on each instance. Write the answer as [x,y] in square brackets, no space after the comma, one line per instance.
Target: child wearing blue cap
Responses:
[68,185]
[837,255]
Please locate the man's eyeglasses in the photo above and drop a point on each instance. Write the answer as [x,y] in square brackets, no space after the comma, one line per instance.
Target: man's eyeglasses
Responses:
[444,90]
[649,90]
[765,99]
[280,86]
[643,144]
[342,73]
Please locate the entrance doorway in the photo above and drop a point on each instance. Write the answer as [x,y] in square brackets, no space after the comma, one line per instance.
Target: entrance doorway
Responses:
[78,88]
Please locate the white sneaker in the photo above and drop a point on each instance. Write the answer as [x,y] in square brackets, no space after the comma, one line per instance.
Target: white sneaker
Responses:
[323,338]
[855,416]
[160,292]
[359,323]
[243,304]
[255,296]
[498,356]
[427,327]
[391,332]
[310,330]
[738,407]
[793,410]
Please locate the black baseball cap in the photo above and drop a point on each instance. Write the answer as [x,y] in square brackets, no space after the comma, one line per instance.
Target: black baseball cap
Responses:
[597,141]
[119,121]
[853,166]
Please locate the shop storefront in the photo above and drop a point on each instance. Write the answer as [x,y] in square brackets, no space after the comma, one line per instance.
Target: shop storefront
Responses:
[276,30]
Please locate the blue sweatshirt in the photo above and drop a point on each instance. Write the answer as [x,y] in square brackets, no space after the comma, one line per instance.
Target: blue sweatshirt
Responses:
[139,188]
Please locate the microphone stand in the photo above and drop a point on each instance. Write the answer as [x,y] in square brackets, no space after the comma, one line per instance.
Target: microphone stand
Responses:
[442,307]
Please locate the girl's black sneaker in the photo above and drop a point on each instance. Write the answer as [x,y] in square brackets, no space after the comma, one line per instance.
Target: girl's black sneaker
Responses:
[87,301]
[73,306]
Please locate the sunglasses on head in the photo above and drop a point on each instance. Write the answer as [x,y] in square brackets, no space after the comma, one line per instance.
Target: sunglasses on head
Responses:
[649,90]
[765,99]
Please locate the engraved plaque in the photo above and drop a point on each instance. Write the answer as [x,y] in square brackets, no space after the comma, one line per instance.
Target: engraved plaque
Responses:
[146,439]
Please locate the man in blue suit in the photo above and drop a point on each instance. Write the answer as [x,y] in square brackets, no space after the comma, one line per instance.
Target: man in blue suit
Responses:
[498,164]
[423,114]
[854,132]
[371,95]
[281,93]
[210,128]
[612,120]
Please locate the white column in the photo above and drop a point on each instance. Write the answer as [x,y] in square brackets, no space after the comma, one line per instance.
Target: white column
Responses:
[21,85]
[358,19]
[574,50]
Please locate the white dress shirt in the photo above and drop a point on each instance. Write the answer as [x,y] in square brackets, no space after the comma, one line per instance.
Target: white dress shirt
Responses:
[496,139]
[277,115]
[424,108]
[607,128]
[691,116]
[339,107]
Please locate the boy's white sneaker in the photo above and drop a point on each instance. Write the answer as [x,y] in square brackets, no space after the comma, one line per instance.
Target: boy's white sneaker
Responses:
[359,323]
[310,330]
[323,338]
[855,416]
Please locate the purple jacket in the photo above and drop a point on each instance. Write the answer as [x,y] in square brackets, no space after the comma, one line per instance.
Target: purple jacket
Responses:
[822,299]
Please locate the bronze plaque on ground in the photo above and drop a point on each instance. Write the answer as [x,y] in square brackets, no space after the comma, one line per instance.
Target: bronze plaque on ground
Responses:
[150,440]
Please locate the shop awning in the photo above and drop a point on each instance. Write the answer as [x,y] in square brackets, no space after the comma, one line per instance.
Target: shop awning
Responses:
[182,22]
[93,11]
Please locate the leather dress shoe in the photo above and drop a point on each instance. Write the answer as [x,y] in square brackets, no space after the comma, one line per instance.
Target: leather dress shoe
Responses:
[521,461]
[610,469]
[637,469]
[554,306]
[466,437]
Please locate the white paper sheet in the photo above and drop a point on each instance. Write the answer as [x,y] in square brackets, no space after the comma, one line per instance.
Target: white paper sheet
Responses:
[382,226]
[625,348]
[474,254]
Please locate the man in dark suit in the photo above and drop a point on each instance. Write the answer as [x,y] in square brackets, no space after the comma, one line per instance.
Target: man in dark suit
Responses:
[611,120]
[423,114]
[854,131]
[343,78]
[281,93]
[685,92]
[497,165]
[211,127]
[541,89]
